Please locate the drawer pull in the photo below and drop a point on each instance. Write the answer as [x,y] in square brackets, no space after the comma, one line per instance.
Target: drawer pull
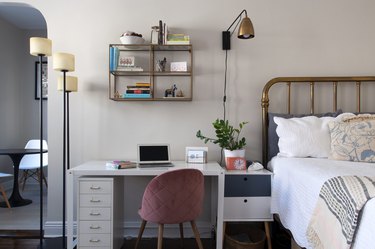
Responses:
[245,200]
[95,187]
[94,240]
[95,201]
[94,214]
[245,179]
[95,227]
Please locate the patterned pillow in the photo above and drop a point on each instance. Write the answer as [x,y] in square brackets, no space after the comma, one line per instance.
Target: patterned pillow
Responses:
[353,139]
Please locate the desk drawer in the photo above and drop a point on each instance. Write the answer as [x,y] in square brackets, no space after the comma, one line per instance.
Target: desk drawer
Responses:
[247,185]
[95,240]
[95,227]
[95,187]
[87,200]
[95,214]
[257,208]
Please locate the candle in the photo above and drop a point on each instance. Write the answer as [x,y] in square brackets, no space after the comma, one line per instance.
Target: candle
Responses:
[71,84]
[40,46]
[63,62]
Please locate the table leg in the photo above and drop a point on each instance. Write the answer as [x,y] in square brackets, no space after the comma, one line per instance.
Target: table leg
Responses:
[16,200]
[268,234]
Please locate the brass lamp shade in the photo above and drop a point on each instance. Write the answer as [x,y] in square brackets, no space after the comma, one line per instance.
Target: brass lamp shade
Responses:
[246,30]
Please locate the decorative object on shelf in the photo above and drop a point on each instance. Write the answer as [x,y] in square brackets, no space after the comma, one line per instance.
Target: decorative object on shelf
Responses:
[227,137]
[130,37]
[245,31]
[180,94]
[44,80]
[65,62]
[161,64]
[196,154]
[154,34]
[117,95]
[178,39]
[40,47]
[171,92]
[179,66]
[126,61]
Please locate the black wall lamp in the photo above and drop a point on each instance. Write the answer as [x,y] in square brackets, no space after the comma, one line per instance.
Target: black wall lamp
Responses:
[245,31]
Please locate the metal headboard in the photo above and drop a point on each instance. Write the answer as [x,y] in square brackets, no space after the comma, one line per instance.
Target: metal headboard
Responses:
[288,81]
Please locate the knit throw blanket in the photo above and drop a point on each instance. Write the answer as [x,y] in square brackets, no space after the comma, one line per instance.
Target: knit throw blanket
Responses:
[338,210]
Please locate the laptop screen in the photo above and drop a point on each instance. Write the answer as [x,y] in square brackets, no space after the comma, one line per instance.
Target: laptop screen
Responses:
[153,153]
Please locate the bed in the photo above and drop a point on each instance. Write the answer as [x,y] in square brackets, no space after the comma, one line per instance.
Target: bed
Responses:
[298,179]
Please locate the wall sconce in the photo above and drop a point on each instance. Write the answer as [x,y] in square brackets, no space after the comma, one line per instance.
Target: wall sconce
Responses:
[245,31]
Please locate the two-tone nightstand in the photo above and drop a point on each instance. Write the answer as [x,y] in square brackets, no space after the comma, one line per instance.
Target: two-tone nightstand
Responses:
[247,197]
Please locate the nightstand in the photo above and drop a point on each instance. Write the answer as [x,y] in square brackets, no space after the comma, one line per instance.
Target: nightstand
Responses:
[247,197]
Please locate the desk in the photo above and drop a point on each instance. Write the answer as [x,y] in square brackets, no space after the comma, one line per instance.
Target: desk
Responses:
[98,169]
[16,155]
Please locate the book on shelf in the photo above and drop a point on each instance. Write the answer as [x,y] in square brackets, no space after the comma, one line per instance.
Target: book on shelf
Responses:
[138,91]
[137,95]
[120,164]
[178,39]
[130,69]
[132,87]
[143,84]
[113,58]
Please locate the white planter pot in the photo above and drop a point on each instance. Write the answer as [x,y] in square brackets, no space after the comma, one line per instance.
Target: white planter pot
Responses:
[234,153]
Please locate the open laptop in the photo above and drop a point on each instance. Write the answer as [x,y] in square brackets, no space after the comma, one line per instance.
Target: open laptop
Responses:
[153,155]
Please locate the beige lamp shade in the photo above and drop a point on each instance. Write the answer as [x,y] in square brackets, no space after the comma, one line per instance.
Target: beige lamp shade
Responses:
[40,46]
[63,62]
[71,84]
[246,29]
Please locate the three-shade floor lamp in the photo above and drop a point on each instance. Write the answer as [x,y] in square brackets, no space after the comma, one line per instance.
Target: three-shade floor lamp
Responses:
[64,63]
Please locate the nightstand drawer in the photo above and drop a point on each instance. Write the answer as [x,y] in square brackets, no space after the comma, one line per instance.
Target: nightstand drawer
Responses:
[95,240]
[255,208]
[95,226]
[95,200]
[247,185]
[95,214]
[95,187]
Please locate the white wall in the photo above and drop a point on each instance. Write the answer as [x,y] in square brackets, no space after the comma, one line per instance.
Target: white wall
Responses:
[292,38]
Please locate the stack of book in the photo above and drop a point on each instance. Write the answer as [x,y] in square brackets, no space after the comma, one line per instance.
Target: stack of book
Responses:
[113,58]
[177,39]
[139,90]
[120,164]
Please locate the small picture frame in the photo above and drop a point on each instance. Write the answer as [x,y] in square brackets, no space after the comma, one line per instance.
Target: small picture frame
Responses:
[44,80]
[179,66]
[196,154]
[126,61]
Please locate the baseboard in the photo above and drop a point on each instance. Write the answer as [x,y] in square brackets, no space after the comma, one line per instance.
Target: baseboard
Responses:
[131,228]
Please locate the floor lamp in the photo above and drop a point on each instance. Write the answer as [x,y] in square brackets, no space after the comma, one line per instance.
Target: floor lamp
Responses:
[64,63]
[40,47]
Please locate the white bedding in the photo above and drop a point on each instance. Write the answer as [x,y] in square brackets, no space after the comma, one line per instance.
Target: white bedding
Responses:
[295,191]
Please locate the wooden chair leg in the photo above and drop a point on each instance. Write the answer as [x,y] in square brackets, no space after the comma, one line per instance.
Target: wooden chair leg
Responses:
[24,178]
[141,229]
[268,234]
[160,236]
[182,234]
[44,179]
[196,233]
[4,196]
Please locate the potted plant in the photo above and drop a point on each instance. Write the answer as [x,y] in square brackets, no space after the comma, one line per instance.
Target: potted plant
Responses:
[228,138]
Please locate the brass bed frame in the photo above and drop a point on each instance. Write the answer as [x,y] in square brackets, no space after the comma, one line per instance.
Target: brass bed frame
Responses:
[288,81]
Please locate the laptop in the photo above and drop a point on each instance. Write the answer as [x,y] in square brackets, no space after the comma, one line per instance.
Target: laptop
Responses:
[153,155]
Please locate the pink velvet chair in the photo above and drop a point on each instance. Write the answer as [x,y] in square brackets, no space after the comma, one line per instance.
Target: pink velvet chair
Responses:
[173,197]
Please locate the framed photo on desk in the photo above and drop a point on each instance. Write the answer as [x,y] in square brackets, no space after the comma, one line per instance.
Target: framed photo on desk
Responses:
[44,80]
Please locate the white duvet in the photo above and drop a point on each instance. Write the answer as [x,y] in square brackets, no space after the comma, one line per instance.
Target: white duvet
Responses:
[295,191]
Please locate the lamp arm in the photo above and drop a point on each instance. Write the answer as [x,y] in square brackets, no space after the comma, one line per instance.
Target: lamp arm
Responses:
[237,18]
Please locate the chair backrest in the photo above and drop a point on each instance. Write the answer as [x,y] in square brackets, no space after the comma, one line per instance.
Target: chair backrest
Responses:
[33,161]
[173,197]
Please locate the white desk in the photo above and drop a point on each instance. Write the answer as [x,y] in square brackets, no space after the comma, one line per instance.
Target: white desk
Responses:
[98,169]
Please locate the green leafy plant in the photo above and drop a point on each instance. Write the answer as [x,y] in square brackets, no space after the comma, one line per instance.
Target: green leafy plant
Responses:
[227,136]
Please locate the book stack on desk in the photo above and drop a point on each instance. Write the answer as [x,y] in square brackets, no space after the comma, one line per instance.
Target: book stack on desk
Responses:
[120,164]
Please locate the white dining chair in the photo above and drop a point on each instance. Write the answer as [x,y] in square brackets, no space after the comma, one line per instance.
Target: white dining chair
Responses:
[30,164]
[2,190]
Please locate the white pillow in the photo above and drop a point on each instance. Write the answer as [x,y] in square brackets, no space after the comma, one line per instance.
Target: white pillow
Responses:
[304,137]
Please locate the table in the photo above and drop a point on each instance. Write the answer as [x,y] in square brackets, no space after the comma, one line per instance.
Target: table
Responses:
[98,169]
[16,155]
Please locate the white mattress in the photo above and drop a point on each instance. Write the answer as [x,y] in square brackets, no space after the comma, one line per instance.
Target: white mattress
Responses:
[295,191]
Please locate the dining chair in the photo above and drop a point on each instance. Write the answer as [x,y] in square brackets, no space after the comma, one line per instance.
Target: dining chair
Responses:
[2,190]
[173,197]
[30,164]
